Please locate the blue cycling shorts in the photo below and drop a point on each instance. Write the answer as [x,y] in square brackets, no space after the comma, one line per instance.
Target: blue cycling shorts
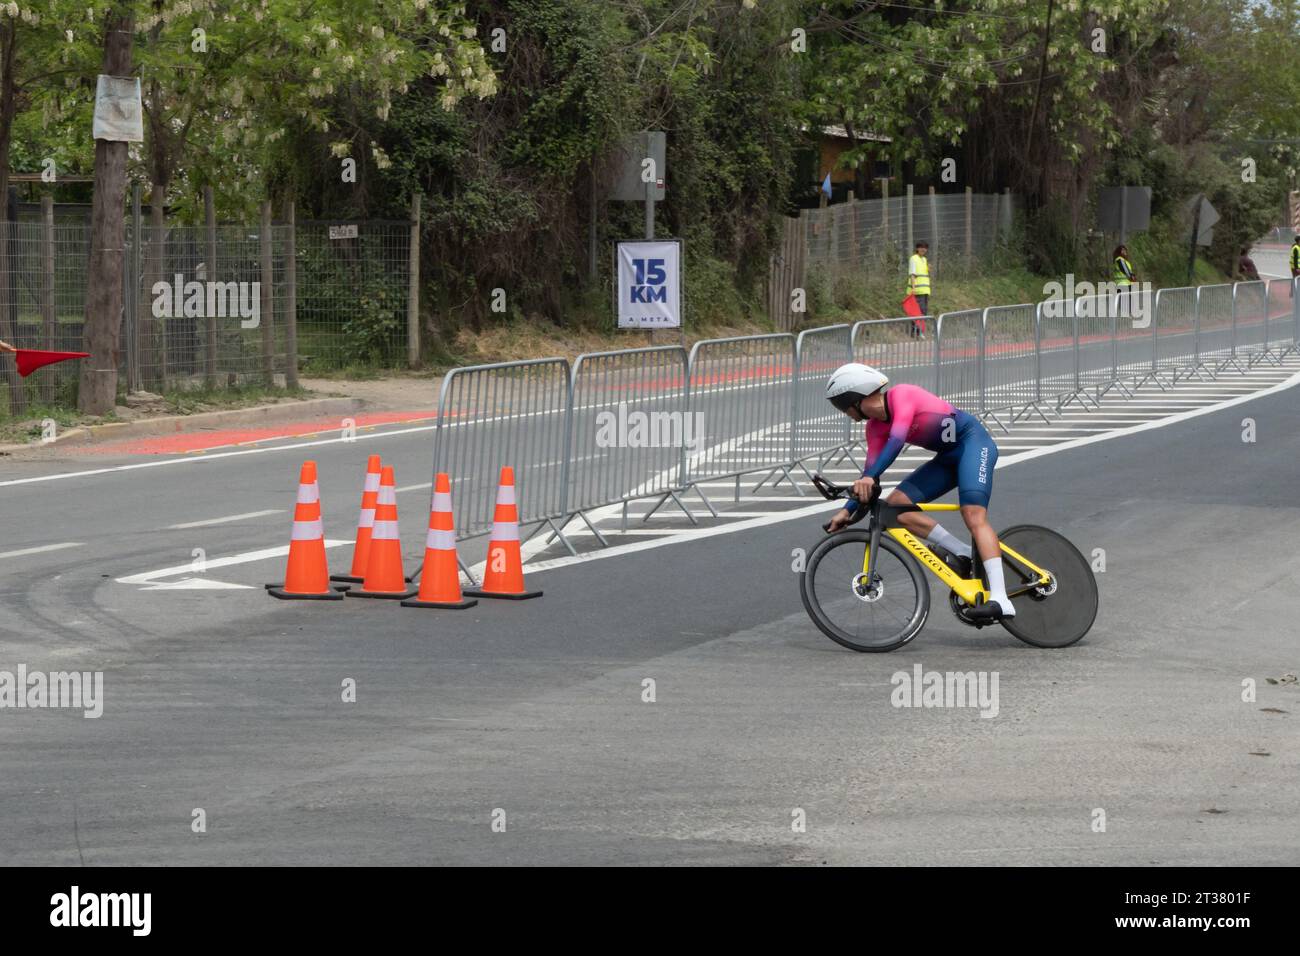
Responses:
[967,466]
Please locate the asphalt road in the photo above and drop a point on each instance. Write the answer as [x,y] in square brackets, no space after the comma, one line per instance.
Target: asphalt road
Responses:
[229,701]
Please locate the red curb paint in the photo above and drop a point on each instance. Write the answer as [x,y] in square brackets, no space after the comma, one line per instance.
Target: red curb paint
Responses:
[227,437]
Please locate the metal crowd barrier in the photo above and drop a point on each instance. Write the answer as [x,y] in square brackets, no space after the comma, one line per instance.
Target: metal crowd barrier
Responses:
[1250,321]
[1214,340]
[960,364]
[629,425]
[1058,378]
[513,413]
[817,429]
[1010,362]
[741,391]
[653,423]
[1095,321]
[1283,318]
[1175,331]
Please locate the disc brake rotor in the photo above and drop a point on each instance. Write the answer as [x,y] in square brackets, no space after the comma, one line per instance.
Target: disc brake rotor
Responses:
[868,589]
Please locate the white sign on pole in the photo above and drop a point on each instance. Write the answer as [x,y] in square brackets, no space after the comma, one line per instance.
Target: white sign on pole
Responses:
[649,284]
[118,113]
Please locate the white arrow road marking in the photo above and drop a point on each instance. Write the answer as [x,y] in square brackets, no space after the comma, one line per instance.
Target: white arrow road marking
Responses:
[151,577]
[195,584]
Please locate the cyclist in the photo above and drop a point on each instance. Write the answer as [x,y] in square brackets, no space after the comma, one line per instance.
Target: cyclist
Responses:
[967,454]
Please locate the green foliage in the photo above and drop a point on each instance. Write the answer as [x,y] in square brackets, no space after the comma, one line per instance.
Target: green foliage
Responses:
[508,144]
[710,293]
[374,333]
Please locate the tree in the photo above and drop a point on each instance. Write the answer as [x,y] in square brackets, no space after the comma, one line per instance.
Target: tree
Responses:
[35,58]
[97,394]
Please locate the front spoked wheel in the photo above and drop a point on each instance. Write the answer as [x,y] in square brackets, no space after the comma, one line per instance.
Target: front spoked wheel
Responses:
[1060,613]
[874,612]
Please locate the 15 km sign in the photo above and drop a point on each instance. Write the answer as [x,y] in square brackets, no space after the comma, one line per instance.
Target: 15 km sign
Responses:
[649,284]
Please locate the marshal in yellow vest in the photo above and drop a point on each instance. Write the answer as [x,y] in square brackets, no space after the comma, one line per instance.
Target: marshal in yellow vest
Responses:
[918,272]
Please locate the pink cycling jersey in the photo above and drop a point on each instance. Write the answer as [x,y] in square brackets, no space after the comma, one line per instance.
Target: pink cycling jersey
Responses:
[916,417]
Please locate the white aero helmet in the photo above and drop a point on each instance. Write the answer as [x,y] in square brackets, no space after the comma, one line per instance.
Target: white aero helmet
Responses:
[851,383]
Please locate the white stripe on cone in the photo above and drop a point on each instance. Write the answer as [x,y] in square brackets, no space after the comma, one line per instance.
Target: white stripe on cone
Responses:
[372,481]
[387,495]
[505,531]
[367,519]
[308,494]
[440,540]
[385,531]
[506,495]
[308,530]
[442,501]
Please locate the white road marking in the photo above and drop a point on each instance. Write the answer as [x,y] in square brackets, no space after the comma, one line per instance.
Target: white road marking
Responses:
[212,521]
[40,550]
[150,577]
[196,584]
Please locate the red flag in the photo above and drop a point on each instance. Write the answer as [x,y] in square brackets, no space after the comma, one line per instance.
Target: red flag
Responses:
[912,307]
[29,360]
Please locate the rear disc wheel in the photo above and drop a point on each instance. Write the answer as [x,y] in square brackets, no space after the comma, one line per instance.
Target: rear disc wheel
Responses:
[1057,614]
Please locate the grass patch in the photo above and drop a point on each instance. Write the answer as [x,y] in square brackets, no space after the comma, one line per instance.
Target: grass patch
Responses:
[30,425]
[193,401]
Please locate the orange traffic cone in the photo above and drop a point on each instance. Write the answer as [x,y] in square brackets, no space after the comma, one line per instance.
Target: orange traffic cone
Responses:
[384,577]
[306,576]
[365,525]
[440,579]
[504,574]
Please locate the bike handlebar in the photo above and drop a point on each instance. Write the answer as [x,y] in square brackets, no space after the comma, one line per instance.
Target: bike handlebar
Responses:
[834,492]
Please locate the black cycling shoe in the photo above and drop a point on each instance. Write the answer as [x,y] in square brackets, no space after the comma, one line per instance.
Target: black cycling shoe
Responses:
[965,567]
[990,612]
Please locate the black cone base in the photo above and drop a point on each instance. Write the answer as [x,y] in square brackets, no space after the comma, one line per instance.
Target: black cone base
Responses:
[278,591]
[449,605]
[347,579]
[479,592]
[280,586]
[391,595]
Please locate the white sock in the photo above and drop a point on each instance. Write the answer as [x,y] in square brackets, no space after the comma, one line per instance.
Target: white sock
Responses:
[998,587]
[940,536]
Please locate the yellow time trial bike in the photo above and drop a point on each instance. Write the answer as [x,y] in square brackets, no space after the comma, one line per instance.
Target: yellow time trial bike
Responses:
[864,588]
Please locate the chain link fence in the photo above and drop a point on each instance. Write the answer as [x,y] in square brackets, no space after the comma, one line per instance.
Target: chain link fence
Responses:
[211,306]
